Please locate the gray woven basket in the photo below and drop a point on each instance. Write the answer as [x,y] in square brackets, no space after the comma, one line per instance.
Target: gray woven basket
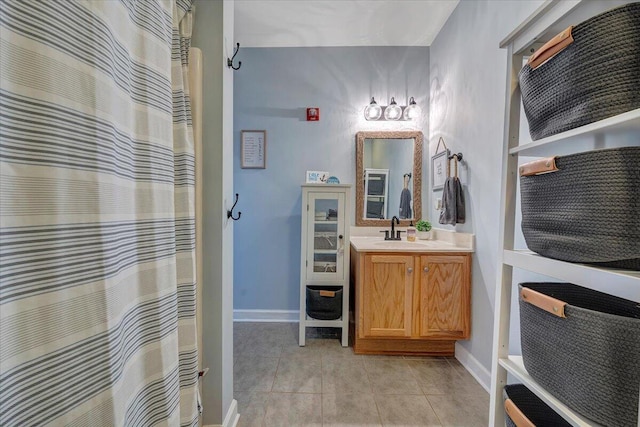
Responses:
[324,307]
[590,359]
[532,407]
[595,77]
[588,211]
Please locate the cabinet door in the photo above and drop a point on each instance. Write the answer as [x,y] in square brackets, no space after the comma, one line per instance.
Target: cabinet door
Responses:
[444,305]
[387,296]
[325,236]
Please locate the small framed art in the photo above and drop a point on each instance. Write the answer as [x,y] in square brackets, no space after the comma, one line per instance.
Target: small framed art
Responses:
[439,169]
[254,149]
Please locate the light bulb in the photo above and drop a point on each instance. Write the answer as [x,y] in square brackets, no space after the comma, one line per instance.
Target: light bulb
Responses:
[372,111]
[412,111]
[392,112]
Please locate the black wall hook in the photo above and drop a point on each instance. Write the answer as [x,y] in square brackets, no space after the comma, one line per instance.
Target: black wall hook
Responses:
[230,61]
[230,211]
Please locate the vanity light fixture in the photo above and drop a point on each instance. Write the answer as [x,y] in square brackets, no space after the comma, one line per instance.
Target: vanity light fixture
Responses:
[392,112]
[372,111]
[412,111]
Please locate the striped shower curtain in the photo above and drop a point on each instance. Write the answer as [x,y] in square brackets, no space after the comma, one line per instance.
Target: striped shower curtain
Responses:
[97,282]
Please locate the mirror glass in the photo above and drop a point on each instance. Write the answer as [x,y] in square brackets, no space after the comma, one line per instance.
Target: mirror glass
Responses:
[388,177]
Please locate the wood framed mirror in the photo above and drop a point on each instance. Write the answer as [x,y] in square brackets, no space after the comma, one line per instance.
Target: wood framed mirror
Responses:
[388,177]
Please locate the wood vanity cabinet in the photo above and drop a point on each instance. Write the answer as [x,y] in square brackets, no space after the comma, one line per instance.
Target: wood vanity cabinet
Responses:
[410,303]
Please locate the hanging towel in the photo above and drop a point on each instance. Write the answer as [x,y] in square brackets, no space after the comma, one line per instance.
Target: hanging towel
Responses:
[405,204]
[448,214]
[453,206]
[460,209]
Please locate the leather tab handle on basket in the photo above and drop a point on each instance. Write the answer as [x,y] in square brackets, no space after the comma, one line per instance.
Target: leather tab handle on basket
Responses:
[327,294]
[538,167]
[551,48]
[545,302]
[516,415]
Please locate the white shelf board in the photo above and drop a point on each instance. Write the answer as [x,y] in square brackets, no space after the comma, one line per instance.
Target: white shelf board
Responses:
[515,366]
[316,323]
[580,274]
[333,284]
[325,251]
[621,123]
[552,17]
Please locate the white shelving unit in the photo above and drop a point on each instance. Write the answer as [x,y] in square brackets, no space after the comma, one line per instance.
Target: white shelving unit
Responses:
[550,19]
[324,251]
[376,191]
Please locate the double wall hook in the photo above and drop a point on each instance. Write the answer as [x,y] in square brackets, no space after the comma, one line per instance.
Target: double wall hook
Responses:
[230,60]
[230,211]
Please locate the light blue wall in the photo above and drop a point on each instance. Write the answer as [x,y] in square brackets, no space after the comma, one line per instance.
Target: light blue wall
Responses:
[271,92]
[468,86]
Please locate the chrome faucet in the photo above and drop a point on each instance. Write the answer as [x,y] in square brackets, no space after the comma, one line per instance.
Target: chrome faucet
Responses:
[395,235]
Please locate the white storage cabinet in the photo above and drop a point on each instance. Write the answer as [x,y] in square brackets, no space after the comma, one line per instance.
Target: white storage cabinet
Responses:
[324,250]
[622,130]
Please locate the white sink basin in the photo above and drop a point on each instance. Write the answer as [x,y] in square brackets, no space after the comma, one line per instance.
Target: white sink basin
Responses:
[445,242]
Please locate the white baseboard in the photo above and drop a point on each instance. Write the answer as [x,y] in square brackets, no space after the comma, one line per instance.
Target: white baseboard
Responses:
[475,368]
[266,315]
[231,420]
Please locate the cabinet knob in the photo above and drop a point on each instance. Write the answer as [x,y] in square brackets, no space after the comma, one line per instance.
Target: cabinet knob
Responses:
[340,237]
[410,270]
[426,269]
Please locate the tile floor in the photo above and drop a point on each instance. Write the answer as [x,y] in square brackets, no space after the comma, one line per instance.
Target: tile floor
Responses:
[278,383]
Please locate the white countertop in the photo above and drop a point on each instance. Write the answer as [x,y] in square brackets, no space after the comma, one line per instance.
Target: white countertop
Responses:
[365,239]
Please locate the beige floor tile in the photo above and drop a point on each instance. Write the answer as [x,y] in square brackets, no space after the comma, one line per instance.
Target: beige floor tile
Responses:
[433,358]
[254,373]
[349,410]
[298,374]
[461,410]
[311,349]
[278,383]
[290,334]
[406,411]
[251,407]
[344,376]
[391,375]
[294,410]
[251,348]
[332,348]
[434,376]
[471,385]
[251,418]
[279,333]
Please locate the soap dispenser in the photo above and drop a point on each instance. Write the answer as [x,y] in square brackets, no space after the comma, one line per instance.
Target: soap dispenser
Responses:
[411,232]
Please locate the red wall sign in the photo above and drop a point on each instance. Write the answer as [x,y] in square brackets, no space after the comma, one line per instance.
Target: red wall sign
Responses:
[313,114]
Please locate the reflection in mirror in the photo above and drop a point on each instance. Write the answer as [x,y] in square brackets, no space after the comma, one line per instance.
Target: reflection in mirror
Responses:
[388,177]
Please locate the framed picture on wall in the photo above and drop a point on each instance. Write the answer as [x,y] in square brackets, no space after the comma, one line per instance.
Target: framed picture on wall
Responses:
[439,169]
[254,149]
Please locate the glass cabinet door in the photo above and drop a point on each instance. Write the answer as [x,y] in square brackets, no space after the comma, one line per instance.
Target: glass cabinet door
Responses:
[325,238]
